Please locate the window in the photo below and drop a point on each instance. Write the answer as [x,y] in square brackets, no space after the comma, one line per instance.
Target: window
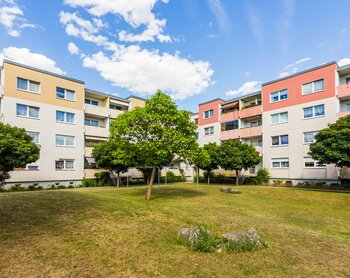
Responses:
[279,118]
[348,107]
[280,163]
[65,164]
[65,141]
[229,125]
[35,136]
[92,102]
[309,137]
[115,107]
[91,122]
[64,117]
[65,94]
[255,123]
[256,143]
[313,87]
[209,130]
[27,111]
[311,163]
[252,170]
[281,140]
[347,80]
[278,96]
[197,136]
[314,111]
[28,85]
[209,114]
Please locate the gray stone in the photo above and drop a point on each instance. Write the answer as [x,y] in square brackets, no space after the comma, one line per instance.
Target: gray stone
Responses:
[189,234]
[228,189]
[251,234]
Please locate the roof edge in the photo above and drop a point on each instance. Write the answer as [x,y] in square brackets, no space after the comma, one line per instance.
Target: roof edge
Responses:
[104,94]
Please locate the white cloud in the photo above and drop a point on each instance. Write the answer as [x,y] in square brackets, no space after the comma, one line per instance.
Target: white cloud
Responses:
[247,73]
[25,56]
[344,62]
[135,12]
[293,68]
[246,88]
[221,16]
[212,36]
[73,49]
[143,71]
[12,18]
[342,31]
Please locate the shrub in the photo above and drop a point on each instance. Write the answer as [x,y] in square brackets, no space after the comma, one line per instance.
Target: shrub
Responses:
[39,187]
[31,187]
[206,242]
[103,178]
[263,176]
[71,186]
[17,187]
[51,186]
[61,186]
[251,181]
[278,182]
[89,182]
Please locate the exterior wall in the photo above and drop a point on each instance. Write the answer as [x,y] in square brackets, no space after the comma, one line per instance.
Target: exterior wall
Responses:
[294,86]
[215,105]
[296,150]
[213,138]
[47,126]
[136,102]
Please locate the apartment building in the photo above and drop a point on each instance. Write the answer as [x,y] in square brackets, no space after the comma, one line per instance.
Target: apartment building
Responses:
[281,121]
[63,117]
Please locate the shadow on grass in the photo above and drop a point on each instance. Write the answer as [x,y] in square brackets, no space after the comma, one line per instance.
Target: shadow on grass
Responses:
[36,213]
[166,192]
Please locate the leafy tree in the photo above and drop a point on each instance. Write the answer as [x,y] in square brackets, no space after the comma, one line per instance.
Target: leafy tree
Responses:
[200,158]
[16,150]
[154,135]
[207,158]
[109,156]
[235,155]
[263,176]
[332,144]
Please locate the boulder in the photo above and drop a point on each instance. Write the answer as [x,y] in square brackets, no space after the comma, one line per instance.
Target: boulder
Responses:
[251,234]
[228,189]
[189,234]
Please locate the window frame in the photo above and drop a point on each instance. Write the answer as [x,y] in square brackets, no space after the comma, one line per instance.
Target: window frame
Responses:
[65,94]
[279,118]
[90,121]
[27,111]
[313,112]
[314,134]
[280,161]
[209,128]
[308,159]
[312,87]
[279,95]
[28,81]
[34,132]
[64,160]
[65,141]
[209,116]
[65,117]
[279,141]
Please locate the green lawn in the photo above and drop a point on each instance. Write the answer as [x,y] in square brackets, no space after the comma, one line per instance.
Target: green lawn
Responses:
[108,232]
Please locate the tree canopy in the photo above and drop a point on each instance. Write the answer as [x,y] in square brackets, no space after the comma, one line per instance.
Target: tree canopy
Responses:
[235,155]
[332,144]
[109,156]
[154,135]
[16,150]
[207,158]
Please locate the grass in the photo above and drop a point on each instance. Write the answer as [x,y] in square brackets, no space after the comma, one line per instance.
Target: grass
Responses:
[96,232]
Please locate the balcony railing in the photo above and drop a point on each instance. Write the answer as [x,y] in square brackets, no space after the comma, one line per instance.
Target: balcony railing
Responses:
[343,91]
[96,110]
[96,131]
[242,133]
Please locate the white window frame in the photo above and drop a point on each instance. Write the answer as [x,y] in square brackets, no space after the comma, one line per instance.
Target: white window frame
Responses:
[65,141]
[34,132]
[279,160]
[347,106]
[280,141]
[98,122]
[65,94]
[313,112]
[27,111]
[210,130]
[65,117]
[210,114]
[28,86]
[279,118]
[279,96]
[314,134]
[315,163]
[89,100]
[312,87]
[65,164]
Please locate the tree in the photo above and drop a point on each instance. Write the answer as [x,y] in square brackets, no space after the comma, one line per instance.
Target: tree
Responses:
[16,150]
[207,158]
[235,155]
[109,156]
[200,158]
[332,144]
[154,135]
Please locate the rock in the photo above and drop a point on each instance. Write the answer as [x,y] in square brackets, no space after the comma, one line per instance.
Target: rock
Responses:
[189,234]
[227,189]
[251,234]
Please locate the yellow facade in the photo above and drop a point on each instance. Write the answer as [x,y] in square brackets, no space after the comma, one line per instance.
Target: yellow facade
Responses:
[48,84]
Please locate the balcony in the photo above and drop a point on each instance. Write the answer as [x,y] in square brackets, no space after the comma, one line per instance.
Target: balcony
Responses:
[259,150]
[241,133]
[230,134]
[88,151]
[115,113]
[96,110]
[343,114]
[343,91]
[250,112]
[96,131]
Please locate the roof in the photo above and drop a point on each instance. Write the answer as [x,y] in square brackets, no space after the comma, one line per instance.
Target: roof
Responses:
[107,95]
[43,71]
[213,100]
[132,96]
[301,72]
[241,97]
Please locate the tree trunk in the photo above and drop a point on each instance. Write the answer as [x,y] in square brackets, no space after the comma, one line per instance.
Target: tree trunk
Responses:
[118,179]
[237,177]
[208,177]
[150,184]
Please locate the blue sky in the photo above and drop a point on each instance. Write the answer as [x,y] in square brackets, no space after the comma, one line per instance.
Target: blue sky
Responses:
[195,50]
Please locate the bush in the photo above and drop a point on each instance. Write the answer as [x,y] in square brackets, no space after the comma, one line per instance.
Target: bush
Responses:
[71,186]
[251,181]
[89,182]
[263,176]
[206,242]
[61,186]
[17,187]
[103,178]
[171,178]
